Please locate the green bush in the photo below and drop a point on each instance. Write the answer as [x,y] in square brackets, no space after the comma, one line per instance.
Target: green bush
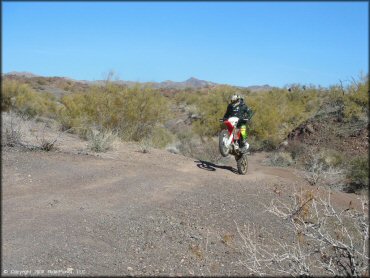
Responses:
[352,101]
[187,97]
[359,172]
[277,112]
[132,112]
[356,102]
[161,137]
[212,107]
[22,99]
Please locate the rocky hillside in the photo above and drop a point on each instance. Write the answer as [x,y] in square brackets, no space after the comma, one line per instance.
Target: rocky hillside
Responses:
[327,130]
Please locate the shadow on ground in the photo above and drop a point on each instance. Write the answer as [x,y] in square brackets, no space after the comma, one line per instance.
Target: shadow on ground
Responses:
[209,166]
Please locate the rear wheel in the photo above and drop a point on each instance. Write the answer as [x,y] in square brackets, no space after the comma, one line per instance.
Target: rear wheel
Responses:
[242,164]
[224,134]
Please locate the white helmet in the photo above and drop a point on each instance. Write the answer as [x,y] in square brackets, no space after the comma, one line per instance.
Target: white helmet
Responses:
[234,98]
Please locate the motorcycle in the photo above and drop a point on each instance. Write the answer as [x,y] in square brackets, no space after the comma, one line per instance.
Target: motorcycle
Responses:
[229,144]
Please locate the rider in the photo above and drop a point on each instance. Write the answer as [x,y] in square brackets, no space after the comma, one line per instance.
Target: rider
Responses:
[237,108]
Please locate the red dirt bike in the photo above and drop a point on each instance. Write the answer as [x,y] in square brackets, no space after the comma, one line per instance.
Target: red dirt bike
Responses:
[228,141]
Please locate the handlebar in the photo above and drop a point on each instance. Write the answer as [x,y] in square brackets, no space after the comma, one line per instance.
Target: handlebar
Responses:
[222,120]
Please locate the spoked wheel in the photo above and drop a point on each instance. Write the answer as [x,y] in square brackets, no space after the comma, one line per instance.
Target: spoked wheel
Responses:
[224,134]
[242,164]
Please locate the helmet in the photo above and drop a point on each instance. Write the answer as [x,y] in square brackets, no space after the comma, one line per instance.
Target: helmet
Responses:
[234,98]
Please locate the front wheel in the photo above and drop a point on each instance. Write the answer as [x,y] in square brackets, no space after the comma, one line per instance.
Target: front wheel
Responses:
[242,164]
[224,134]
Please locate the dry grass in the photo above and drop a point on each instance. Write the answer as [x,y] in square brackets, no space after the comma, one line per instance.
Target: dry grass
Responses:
[279,159]
[19,130]
[101,141]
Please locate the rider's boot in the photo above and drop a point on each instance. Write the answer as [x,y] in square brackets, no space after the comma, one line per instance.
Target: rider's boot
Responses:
[244,146]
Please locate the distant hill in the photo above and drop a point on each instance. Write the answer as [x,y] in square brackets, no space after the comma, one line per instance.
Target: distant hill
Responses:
[259,88]
[22,73]
[192,82]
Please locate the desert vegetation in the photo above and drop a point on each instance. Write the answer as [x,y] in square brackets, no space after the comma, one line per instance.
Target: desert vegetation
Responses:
[23,100]
[304,127]
[135,114]
[326,241]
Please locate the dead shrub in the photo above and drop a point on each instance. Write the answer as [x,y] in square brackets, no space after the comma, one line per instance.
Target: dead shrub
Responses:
[101,141]
[324,168]
[12,129]
[328,241]
[144,145]
[279,159]
[358,173]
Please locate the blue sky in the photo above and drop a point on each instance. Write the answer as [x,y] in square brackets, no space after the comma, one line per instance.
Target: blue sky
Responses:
[238,43]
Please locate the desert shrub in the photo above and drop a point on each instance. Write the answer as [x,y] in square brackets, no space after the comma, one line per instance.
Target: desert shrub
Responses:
[132,112]
[327,241]
[277,112]
[331,158]
[186,145]
[12,138]
[142,110]
[22,99]
[324,168]
[20,130]
[161,137]
[359,172]
[144,145]
[101,141]
[352,101]
[43,140]
[210,113]
[280,159]
[9,91]
[296,149]
[12,130]
[211,108]
[186,97]
[356,102]
[255,144]
[40,80]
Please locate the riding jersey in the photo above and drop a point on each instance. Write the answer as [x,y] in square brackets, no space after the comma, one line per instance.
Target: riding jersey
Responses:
[240,110]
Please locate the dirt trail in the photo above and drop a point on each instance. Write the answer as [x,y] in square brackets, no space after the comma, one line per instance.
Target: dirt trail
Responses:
[126,212]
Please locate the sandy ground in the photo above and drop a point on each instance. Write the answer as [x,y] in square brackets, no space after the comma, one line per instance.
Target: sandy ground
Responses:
[130,213]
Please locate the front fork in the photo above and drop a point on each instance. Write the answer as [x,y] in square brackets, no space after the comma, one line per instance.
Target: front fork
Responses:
[233,134]
[230,124]
[228,141]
